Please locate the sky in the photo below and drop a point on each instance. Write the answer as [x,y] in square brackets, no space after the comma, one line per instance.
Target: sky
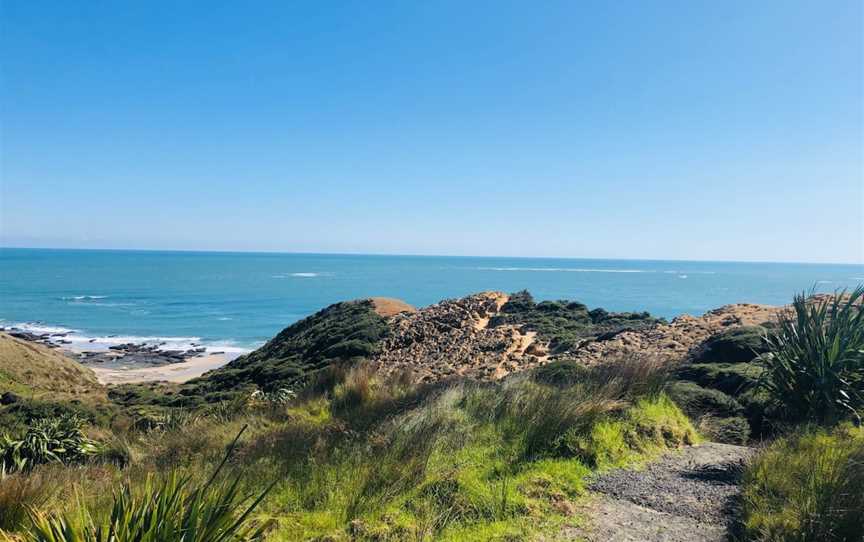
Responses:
[669,129]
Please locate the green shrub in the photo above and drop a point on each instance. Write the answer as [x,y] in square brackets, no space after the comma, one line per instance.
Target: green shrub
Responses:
[697,401]
[47,440]
[816,366]
[565,324]
[730,378]
[736,345]
[719,416]
[807,487]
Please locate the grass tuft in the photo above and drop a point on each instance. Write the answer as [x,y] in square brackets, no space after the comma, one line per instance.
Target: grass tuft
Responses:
[807,487]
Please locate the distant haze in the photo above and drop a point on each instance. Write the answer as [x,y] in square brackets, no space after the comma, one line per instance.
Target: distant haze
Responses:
[660,130]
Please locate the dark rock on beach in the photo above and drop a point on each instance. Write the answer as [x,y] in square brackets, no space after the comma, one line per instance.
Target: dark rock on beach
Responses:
[138,354]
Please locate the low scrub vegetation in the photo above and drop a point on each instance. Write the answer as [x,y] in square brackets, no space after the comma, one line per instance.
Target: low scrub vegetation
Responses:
[808,487]
[365,460]
[564,324]
[346,332]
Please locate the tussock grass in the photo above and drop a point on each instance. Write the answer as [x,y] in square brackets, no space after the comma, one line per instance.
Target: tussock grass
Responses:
[808,487]
[388,460]
[471,461]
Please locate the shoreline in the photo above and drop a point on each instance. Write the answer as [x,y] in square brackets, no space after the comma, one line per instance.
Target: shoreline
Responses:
[129,359]
[173,372]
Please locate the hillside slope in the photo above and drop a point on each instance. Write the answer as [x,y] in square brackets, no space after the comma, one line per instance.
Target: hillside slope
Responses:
[34,370]
[346,332]
[483,336]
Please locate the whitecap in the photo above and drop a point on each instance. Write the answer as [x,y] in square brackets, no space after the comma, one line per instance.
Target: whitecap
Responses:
[682,276]
[84,297]
[39,328]
[303,274]
[563,270]
[77,341]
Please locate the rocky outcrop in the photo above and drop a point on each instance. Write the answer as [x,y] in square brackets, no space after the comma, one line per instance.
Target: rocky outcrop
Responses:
[454,338]
[677,340]
[476,337]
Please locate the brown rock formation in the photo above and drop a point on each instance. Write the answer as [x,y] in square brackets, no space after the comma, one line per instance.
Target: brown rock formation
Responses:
[453,338]
[674,341]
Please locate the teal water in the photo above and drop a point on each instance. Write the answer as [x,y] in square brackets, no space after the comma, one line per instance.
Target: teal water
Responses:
[241,299]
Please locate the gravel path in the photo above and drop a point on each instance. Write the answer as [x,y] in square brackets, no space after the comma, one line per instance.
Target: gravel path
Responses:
[684,497]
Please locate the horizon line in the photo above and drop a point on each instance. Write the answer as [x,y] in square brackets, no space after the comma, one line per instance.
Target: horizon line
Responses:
[415,255]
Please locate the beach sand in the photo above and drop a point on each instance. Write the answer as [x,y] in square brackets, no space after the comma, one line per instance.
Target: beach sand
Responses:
[175,372]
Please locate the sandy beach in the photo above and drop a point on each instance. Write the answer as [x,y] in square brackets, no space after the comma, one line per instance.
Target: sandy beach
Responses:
[175,372]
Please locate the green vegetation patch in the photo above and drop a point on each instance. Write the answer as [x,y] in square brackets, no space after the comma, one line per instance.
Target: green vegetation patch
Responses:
[344,332]
[468,462]
[566,323]
[730,378]
[697,401]
[739,344]
[807,486]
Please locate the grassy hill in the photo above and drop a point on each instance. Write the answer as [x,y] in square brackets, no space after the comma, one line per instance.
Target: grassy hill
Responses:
[346,332]
[32,370]
[36,381]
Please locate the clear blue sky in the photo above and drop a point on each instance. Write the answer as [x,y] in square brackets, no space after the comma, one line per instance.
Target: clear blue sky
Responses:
[719,130]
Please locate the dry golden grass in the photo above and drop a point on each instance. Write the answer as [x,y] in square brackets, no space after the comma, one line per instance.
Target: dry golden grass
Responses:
[35,370]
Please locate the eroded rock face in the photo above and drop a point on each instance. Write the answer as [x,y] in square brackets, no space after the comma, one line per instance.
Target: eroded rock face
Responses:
[468,337]
[454,338]
[677,340]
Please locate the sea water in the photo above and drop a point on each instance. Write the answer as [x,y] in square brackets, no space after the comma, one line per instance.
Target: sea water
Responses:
[236,301]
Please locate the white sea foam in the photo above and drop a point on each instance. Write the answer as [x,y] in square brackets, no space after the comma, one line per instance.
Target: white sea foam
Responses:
[40,328]
[78,342]
[682,276]
[590,270]
[563,270]
[303,274]
[84,297]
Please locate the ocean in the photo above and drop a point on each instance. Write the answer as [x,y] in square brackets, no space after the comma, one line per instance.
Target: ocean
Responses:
[236,301]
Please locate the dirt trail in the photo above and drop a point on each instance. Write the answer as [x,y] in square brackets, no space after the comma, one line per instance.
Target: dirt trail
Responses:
[684,497]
